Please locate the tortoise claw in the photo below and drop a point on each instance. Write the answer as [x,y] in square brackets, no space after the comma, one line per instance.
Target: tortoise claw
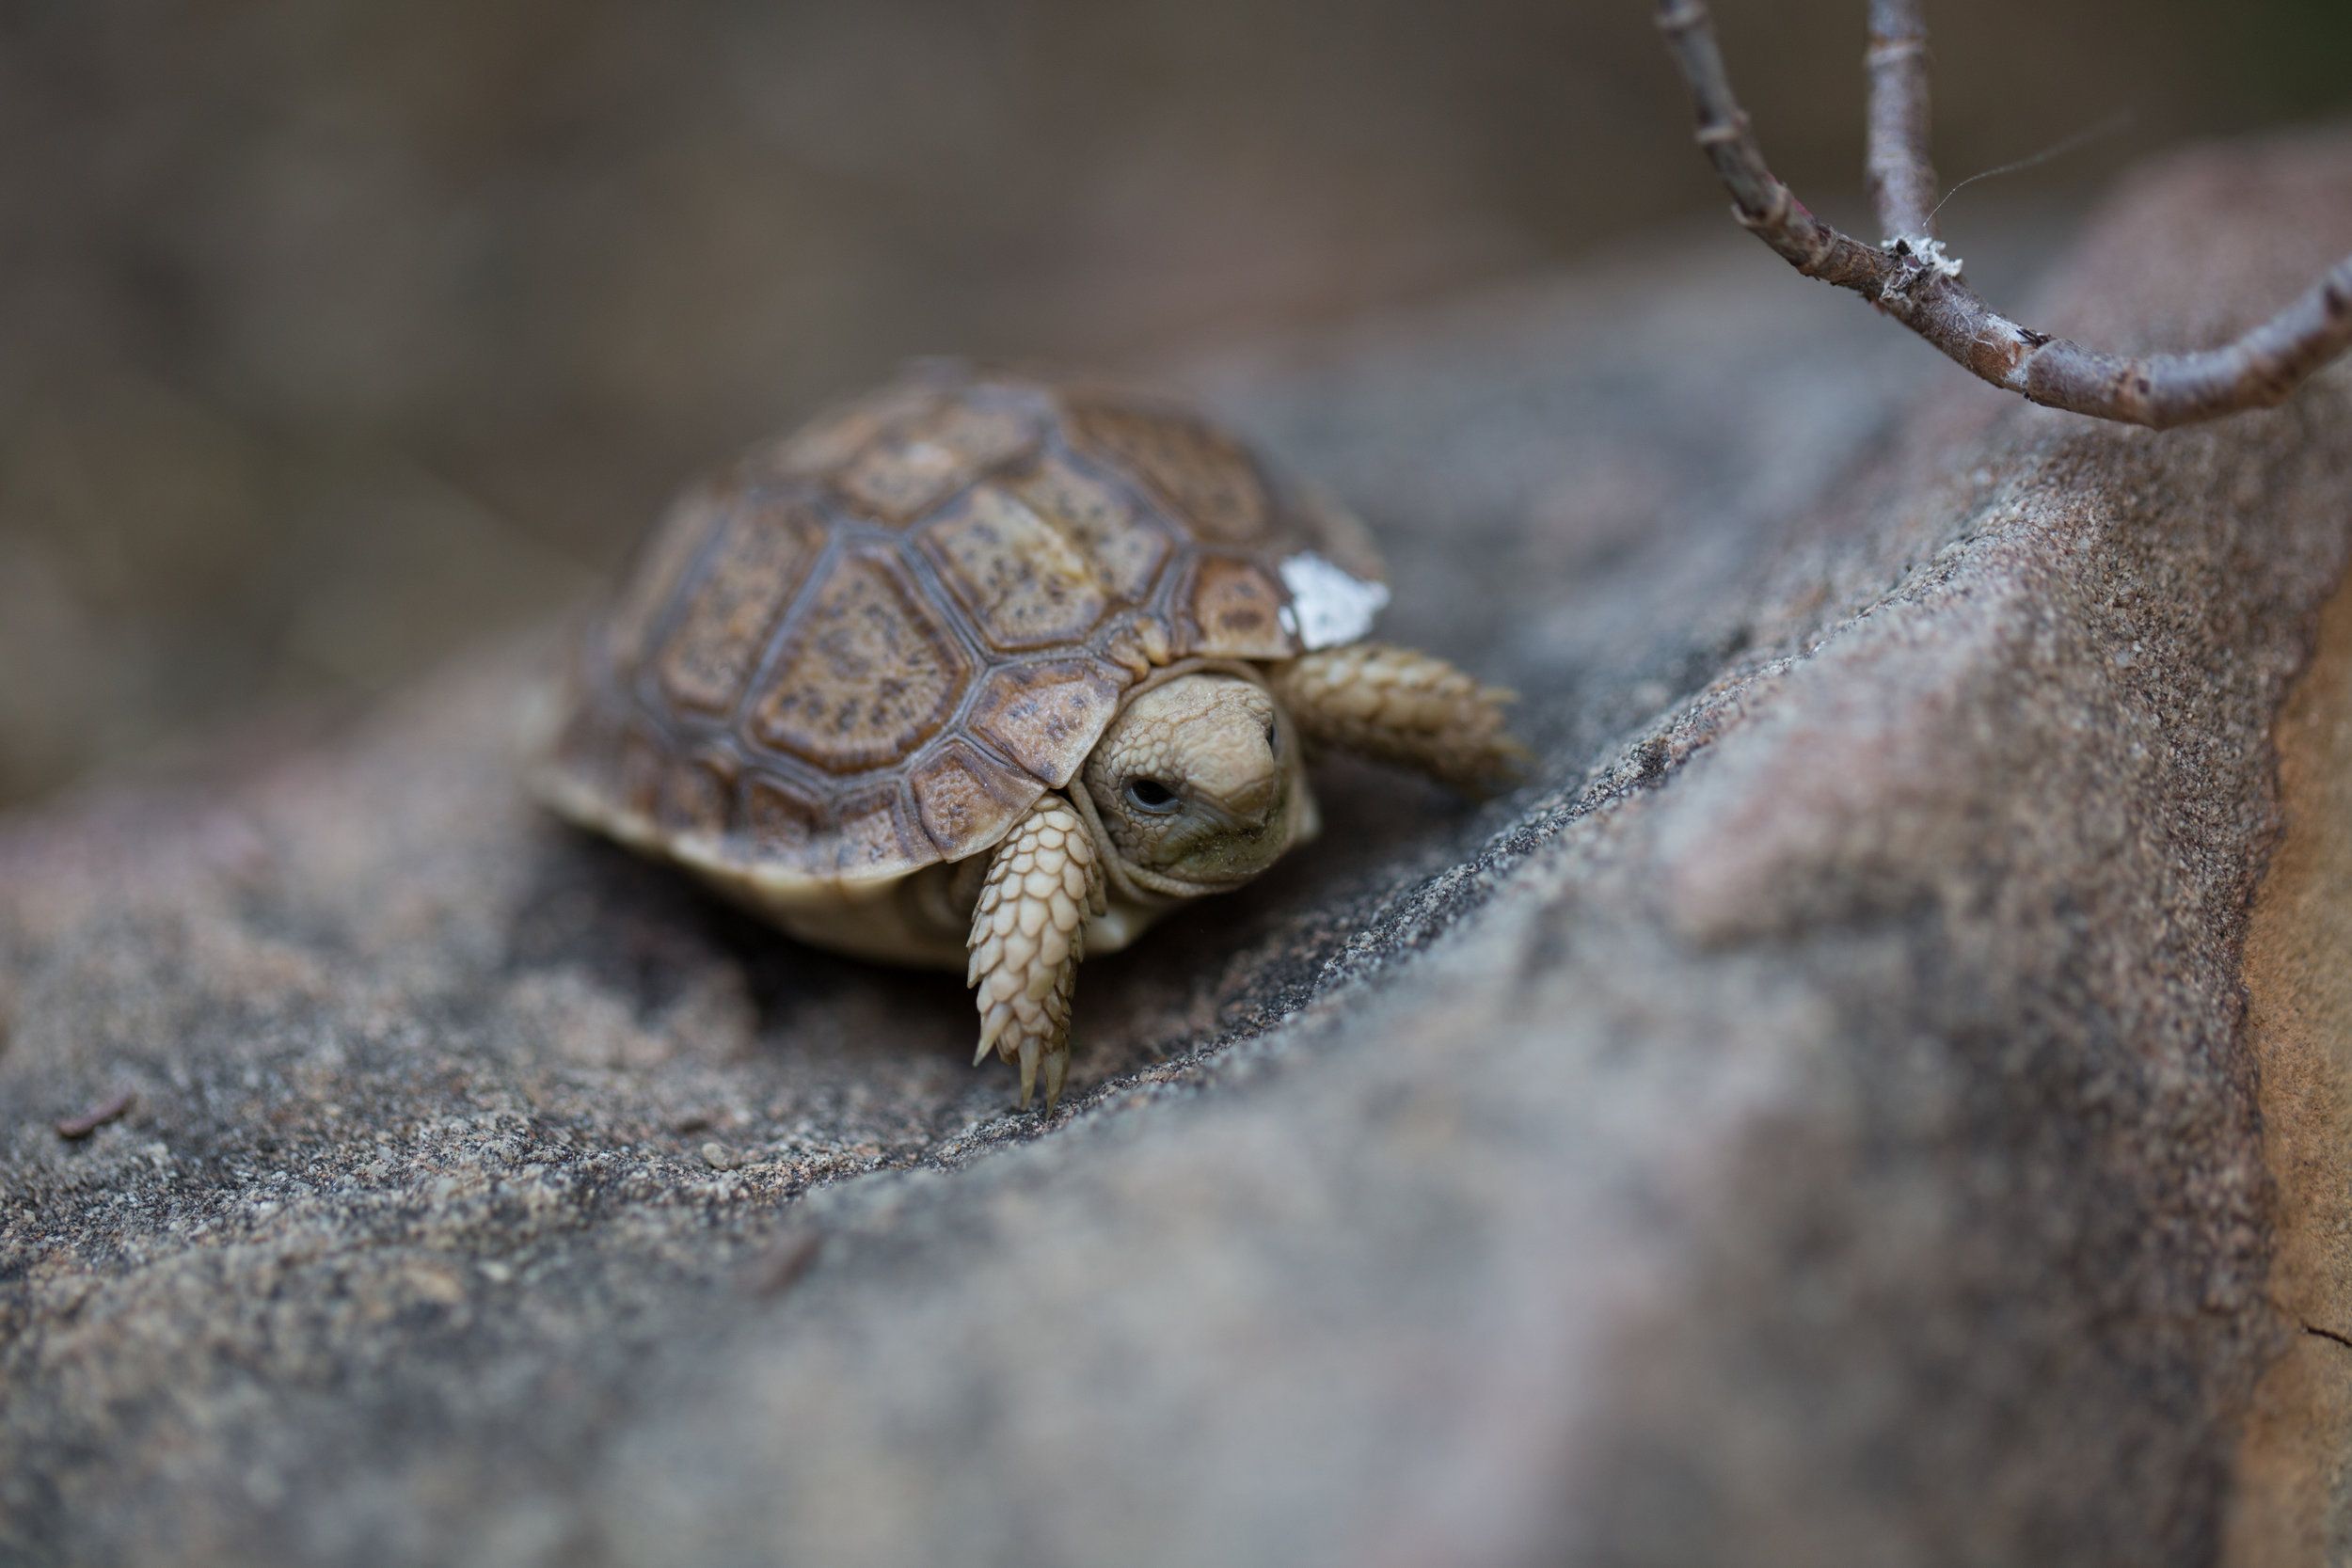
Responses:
[1029,1068]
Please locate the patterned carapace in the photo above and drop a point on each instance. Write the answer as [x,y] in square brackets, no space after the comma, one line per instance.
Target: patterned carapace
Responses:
[872,646]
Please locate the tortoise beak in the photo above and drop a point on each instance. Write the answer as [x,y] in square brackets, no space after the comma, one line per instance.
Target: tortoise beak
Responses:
[1240,787]
[1249,808]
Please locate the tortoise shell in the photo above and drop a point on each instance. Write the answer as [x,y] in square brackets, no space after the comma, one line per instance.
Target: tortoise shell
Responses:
[872,645]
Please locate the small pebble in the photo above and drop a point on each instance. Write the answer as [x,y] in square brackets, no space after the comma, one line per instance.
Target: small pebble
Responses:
[719,1157]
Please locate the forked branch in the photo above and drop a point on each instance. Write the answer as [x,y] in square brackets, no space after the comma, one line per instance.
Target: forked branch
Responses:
[1910,279]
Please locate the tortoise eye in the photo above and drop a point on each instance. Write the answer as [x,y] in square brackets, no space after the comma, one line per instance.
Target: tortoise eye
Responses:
[1151,795]
[1273,738]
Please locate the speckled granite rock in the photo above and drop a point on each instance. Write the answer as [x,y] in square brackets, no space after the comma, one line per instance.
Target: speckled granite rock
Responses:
[1811,1123]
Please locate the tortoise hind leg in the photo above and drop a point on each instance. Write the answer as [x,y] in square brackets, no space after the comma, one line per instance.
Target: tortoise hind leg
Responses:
[1402,707]
[1028,934]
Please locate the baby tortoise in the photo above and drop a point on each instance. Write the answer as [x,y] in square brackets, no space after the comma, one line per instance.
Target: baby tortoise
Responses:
[989,670]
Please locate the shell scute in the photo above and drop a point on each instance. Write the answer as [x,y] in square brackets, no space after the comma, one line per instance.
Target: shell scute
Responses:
[896,481]
[1235,608]
[1026,584]
[763,551]
[1047,717]
[981,430]
[869,671]
[964,796]
[780,823]
[1202,474]
[696,796]
[924,455]
[870,840]
[642,770]
[1126,545]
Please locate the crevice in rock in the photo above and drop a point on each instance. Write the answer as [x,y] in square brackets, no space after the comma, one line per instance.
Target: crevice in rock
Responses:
[2328,1334]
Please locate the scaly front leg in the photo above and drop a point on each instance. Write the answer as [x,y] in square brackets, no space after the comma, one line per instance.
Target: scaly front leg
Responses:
[1397,706]
[1028,932]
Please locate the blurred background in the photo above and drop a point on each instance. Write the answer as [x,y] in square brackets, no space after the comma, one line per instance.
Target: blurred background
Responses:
[335,334]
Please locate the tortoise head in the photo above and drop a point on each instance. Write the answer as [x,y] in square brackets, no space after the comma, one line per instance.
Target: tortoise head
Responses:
[1199,784]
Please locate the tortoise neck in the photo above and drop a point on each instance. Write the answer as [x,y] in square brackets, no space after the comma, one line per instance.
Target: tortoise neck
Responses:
[1129,882]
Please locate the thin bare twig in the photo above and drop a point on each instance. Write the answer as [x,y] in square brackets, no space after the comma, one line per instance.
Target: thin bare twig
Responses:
[1903,176]
[76,1128]
[1910,279]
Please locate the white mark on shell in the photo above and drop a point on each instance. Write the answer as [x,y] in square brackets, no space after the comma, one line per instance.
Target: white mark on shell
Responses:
[1329,606]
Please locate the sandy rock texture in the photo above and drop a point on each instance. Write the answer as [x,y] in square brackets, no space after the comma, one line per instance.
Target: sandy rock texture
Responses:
[1816,1120]
[2295,1499]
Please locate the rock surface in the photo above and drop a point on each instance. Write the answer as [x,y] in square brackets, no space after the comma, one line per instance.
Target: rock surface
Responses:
[1815,1121]
[2295,1499]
